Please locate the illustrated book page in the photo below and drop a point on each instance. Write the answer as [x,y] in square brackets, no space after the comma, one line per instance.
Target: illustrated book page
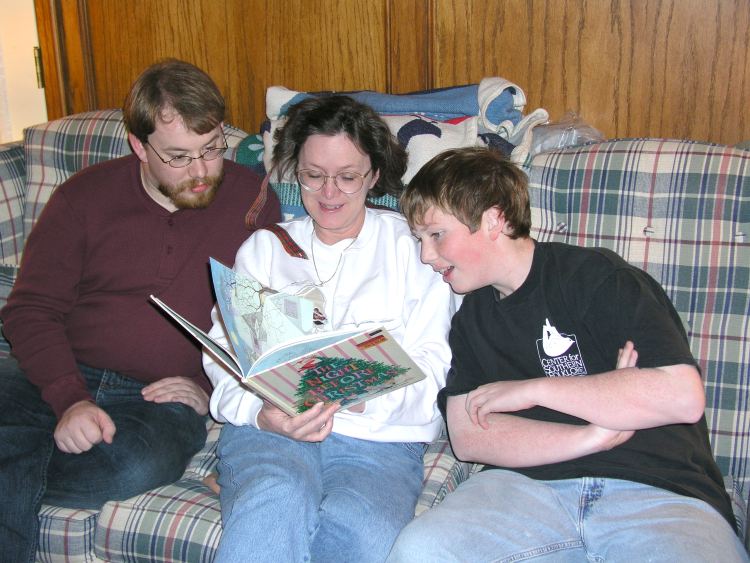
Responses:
[275,354]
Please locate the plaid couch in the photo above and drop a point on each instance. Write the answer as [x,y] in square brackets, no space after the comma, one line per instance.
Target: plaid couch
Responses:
[179,522]
[680,210]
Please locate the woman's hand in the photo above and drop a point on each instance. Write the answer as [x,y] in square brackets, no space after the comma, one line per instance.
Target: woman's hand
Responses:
[313,425]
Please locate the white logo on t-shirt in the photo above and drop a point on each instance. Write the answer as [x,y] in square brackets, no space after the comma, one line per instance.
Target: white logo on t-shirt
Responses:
[559,353]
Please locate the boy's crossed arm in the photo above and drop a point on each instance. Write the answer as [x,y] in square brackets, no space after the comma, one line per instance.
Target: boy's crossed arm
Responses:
[615,403]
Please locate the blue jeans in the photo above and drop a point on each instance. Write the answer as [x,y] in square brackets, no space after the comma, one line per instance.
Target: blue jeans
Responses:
[503,516]
[152,446]
[342,499]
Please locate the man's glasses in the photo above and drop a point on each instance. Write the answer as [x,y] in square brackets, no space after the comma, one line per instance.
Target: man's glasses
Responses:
[347,182]
[184,160]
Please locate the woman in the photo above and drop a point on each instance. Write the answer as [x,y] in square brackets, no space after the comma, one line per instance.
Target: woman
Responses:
[328,484]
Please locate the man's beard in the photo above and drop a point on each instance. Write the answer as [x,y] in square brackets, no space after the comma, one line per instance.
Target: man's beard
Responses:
[183,198]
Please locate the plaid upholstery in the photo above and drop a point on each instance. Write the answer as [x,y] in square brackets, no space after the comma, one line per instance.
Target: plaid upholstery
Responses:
[55,150]
[7,278]
[681,211]
[13,193]
[178,522]
[204,462]
[442,474]
[66,534]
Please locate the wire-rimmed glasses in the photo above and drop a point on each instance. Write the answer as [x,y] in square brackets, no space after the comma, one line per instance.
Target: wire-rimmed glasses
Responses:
[183,160]
[347,182]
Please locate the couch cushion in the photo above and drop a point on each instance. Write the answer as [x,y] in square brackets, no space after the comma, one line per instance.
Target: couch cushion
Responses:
[442,474]
[55,150]
[177,522]
[13,193]
[681,211]
[66,534]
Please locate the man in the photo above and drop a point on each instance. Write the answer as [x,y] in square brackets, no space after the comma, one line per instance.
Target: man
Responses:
[107,399]
[572,382]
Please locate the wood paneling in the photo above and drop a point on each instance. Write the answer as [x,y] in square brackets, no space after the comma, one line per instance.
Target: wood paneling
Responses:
[245,45]
[46,23]
[410,65]
[672,68]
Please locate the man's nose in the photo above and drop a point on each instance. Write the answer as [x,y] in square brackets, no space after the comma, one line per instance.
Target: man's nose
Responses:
[198,168]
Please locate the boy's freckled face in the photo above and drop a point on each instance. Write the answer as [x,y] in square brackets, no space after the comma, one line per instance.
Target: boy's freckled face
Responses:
[452,250]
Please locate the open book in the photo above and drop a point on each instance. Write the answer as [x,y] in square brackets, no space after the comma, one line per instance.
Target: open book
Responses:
[276,353]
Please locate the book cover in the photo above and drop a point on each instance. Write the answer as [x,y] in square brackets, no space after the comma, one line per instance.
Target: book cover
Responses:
[275,354]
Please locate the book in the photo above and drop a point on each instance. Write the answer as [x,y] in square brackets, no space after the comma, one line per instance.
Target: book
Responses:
[277,355]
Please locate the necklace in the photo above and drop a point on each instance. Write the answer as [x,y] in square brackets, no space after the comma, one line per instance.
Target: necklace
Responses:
[338,264]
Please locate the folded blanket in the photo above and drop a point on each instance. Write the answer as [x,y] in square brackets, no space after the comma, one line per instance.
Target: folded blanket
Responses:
[426,123]
[494,100]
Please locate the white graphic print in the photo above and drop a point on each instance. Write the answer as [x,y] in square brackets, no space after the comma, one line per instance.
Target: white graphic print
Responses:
[559,353]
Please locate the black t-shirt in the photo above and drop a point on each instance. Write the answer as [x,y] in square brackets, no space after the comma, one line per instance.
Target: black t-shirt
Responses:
[577,307]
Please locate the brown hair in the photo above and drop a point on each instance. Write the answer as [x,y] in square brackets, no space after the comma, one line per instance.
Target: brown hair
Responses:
[169,86]
[465,183]
[334,114]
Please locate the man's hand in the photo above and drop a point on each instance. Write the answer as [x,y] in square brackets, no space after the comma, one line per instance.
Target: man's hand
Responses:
[177,390]
[82,426]
[313,425]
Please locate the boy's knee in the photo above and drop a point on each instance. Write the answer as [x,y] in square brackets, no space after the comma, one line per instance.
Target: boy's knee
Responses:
[413,544]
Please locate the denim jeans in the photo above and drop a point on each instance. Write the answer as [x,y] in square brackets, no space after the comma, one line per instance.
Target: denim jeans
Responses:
[152,446]
[503,516]
[342,499]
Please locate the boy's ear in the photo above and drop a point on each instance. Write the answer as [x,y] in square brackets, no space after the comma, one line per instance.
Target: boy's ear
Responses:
[494,221]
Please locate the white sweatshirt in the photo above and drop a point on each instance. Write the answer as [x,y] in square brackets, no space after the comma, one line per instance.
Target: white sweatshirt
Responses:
[378,280]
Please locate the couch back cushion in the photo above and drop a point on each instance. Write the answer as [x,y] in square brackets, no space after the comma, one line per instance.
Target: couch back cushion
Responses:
[681,211]
[58,149]
[13,193]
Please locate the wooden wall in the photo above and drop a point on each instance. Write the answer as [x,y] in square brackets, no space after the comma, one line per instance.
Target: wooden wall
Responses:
[672,68]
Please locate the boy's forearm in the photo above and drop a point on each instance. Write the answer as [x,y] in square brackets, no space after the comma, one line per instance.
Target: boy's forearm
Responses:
[513,441]
[627,399]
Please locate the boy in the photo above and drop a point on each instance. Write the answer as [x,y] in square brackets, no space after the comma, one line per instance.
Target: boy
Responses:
[586,455]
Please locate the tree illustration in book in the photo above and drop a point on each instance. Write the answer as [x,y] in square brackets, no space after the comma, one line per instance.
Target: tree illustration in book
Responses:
[342,380]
